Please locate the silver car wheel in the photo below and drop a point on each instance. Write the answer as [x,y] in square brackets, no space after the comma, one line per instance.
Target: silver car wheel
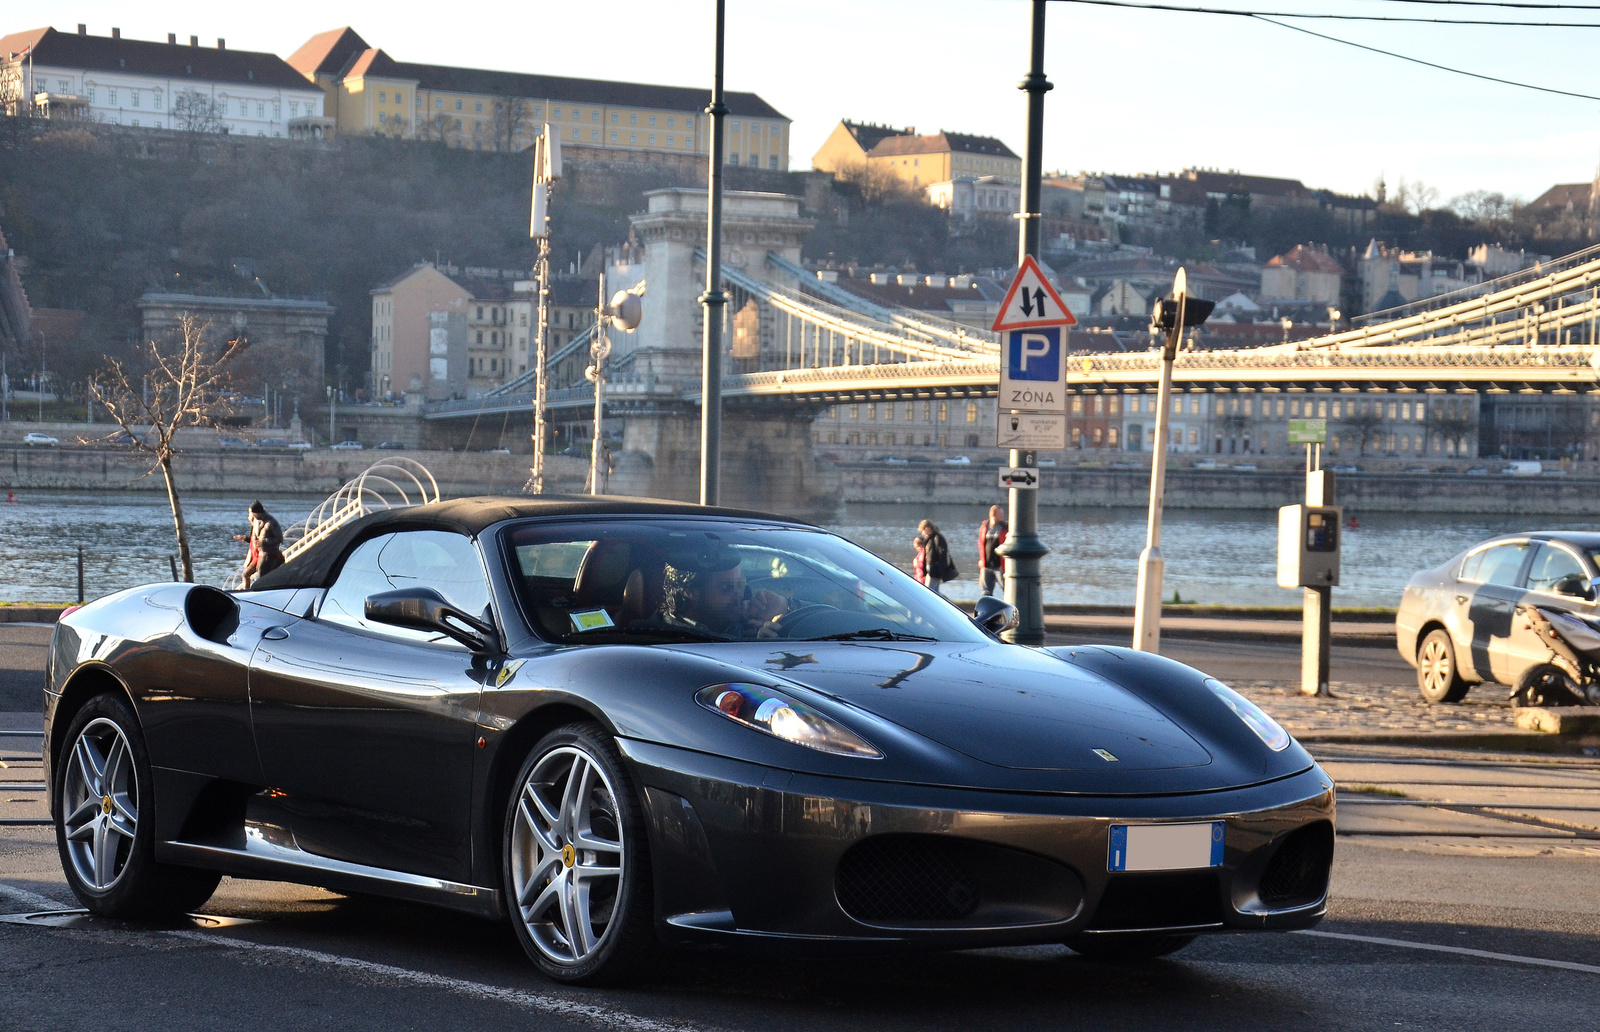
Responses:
[100,804]
[567,855]
[1436,665]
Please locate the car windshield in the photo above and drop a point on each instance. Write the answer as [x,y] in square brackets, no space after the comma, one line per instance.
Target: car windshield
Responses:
[673,580]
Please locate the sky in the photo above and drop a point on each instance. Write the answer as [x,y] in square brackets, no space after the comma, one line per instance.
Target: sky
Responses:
[1135,91]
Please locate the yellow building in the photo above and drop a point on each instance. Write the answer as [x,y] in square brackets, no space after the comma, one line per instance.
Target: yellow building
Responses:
[918,160]
[367,91]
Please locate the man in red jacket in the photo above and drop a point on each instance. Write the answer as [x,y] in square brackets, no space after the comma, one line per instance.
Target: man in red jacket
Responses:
[991,567]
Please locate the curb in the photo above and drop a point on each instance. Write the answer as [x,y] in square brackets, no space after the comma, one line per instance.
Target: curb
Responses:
[1496,741]
[30,614]
[1223,633]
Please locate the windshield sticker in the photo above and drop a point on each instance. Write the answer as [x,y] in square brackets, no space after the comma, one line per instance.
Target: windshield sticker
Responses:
[591,620]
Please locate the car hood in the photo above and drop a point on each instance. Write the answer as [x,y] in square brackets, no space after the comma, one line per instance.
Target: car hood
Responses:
[1003,705]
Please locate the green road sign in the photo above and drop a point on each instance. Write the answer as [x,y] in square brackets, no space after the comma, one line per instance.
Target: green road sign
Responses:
[1308,431]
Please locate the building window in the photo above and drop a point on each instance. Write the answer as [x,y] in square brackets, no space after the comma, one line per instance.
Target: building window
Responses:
[633,119]
[1111,437]
[688,122]
[734,126]
[537,109]
[111,95]
[575,132]
[135,96]
[613,118]
[772,162]
[972,412]
[458,103]
[294,109]
[855,411]
[594,116]
[438,103]
[613,136]
[91,94]
[633,137]
[652,119]
[383,98]
[477,105]
[458,125]
[382,117]
[671,121]
[158,123]
[594,135]
[652,139]
[555,112]
[399,98]
[944,411]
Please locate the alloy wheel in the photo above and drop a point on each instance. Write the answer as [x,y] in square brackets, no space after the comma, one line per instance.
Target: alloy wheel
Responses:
[1437,668]
[100,801]
[567,855]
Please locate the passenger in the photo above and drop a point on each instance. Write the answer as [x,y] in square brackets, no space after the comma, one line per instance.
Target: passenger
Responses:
[991,567]
[706,592]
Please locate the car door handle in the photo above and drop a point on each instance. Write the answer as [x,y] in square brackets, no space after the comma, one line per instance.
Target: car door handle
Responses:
[275,633]
[1461,600]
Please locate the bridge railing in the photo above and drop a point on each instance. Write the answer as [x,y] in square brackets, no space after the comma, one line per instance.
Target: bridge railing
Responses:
[1499,283]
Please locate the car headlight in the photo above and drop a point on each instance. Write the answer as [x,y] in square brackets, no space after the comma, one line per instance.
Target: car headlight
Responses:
[1266,729]
[763,709]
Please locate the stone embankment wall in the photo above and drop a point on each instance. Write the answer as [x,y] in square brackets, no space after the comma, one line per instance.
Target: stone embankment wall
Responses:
[1233,489]
[245,471]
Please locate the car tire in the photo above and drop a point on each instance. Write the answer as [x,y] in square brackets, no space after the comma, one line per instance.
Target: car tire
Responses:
[1131,946]
[104,816]
[1545,684]
[576,860]
[1438,676]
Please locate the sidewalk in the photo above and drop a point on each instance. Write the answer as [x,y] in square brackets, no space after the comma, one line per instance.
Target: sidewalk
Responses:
[1377,714]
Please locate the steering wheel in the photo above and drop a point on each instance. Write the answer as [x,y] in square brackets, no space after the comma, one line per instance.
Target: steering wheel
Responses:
[783,626]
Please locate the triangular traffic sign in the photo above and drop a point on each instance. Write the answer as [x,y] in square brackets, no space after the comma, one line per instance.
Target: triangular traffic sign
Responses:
[1031,302]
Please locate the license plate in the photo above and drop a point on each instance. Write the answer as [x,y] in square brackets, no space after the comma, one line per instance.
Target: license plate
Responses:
[1165,847]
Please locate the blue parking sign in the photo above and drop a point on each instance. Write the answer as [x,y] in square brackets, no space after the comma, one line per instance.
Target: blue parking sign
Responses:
[1034,354]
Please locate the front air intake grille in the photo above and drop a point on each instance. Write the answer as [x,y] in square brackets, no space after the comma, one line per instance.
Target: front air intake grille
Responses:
[1165,900]
[1297,874]
[890,879]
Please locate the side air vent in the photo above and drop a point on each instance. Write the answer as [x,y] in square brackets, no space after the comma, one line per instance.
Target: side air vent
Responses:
[1297,874]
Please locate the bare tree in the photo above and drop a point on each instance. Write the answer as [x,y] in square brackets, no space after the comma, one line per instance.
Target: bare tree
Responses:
[181,389]
[510,121]
[1483,206]
[434,128]
[195,112]
[875,184]
[1364,427]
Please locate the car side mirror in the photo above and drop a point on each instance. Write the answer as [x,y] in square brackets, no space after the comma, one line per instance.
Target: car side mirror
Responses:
[1575,586]
[995,615]
[423,609]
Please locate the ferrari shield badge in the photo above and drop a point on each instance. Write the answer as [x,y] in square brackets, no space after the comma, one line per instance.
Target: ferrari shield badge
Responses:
[507,672]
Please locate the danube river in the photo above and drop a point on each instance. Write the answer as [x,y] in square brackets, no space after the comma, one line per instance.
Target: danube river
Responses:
[1213,556]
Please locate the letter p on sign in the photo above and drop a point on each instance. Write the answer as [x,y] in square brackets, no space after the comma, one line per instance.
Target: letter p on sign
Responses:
[1034,355]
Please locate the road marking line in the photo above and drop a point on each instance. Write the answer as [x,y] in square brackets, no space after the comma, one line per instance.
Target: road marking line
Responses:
[30,899]
[1510,958]
[606,1017]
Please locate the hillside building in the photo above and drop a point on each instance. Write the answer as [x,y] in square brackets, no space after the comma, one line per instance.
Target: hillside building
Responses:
[367,91]
[149,85]
[920,161]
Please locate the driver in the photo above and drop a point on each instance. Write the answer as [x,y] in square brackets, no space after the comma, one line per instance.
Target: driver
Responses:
[707,592]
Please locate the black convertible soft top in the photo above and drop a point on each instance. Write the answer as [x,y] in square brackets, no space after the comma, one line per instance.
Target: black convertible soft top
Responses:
[316,566]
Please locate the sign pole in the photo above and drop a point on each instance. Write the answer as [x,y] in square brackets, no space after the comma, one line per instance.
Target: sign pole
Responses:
[1023,548]
[713,299]
[1152,568]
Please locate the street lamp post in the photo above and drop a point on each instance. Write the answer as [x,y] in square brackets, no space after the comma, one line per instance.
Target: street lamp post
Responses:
[1172,315]
[713,299]
[1023,548]
[547,168]
[599,350]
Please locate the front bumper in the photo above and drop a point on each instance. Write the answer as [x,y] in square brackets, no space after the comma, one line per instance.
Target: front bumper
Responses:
[743,852]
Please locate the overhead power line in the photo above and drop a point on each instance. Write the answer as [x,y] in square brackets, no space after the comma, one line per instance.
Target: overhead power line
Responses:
[1271,20]
[1521,4]
[1323,16]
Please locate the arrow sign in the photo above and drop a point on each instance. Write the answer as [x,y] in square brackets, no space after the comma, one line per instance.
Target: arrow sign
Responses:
[1031,302]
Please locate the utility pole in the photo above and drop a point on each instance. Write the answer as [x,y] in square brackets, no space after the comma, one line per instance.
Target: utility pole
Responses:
[714,300]
[599,348]
[546,169]
[1023,548]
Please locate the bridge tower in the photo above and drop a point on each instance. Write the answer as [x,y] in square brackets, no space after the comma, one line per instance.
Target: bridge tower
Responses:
[767,456]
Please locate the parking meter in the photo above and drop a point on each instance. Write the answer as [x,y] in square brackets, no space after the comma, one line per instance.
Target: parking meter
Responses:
[1308,545]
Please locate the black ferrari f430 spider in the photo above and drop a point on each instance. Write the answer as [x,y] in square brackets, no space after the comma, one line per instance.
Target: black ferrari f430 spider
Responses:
[626,724]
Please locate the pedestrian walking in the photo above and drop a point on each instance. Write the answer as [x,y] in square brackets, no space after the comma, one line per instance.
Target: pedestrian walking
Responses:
[266,544]
[933,554]
[991,567]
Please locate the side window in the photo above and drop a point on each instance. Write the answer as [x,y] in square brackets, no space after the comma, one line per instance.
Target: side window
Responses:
[1498,565]
[1552,564]
[448,563]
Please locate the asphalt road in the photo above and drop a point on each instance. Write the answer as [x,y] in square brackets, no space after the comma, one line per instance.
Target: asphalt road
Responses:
[1268,660]
[22,656]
